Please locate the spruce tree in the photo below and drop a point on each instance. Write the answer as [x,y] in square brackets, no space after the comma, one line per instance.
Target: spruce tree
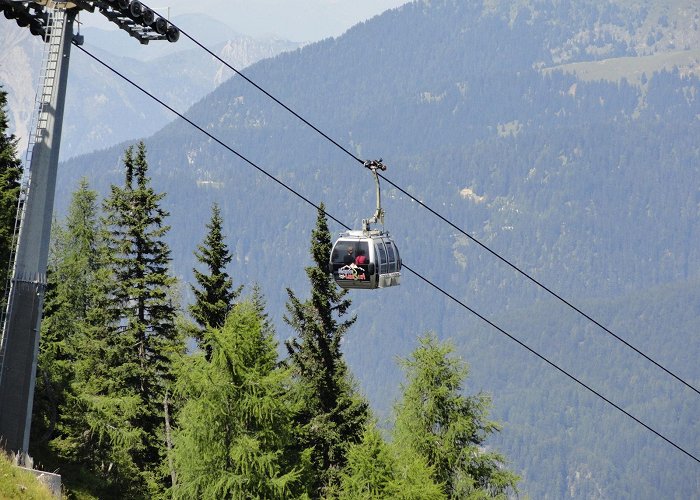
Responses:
[144,338]
[71,293]
[235,429]
[81,402]
[102,418]
[214,294]
[435,420]
[334,415]
[10,177]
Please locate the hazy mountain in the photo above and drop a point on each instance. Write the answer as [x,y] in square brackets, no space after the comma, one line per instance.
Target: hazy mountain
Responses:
[507,119]
[209,31]
[19,75]
[300,21]
[103,111]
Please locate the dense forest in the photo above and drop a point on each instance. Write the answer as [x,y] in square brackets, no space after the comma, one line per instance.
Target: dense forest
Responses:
[590,186]
[125,410]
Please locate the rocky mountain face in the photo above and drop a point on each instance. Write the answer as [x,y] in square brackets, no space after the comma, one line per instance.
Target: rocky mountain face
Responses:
[104,112]
[19,75]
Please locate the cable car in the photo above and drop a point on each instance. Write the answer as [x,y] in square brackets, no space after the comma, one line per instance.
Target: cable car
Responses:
[369,258]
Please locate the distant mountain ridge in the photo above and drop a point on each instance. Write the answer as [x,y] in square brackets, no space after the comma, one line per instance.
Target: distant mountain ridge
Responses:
[96,102]
[588,184]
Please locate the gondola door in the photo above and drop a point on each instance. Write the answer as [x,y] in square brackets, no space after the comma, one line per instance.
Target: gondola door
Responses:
[351,264]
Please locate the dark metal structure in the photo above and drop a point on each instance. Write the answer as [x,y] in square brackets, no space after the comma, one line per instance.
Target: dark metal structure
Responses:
[19,344]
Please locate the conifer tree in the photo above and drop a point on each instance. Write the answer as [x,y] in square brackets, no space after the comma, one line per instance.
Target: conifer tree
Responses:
[102,418]
[260,304]
[10,176]
[334,415]
[215,294]
[369,469]
[71,293]
[235,428]
[378,470]
[143,338]
[80,372]
[448,429]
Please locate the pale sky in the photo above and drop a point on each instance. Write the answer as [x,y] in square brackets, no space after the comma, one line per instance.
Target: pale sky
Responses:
[296,20]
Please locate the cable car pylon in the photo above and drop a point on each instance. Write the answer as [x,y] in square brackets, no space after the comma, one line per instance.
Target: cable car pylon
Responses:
[53,21]
[368,258]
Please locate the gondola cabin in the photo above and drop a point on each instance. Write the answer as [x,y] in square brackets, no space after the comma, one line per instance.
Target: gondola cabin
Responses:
[365,259]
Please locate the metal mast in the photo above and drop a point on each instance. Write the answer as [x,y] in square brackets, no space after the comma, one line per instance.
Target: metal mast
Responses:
[19,343]
[20,340]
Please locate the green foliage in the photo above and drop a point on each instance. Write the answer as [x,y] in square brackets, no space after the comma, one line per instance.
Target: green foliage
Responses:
[141,339]
[591,186]
[18,483]
[333,415]
[260,304]
[102,427]
[413,477]
[377,470]
[81,421]
[10,176]
[139,261]
[234,438]
[369,468]
[245,426]
[448,429]
[215,294]
[71,294]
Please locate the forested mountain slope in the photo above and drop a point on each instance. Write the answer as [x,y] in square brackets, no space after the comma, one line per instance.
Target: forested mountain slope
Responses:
[592,186]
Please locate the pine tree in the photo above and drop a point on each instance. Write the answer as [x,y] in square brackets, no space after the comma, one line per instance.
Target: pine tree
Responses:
[143,338]
[334,415]
[10,176]
[448,429]
[235,428]
[215,295]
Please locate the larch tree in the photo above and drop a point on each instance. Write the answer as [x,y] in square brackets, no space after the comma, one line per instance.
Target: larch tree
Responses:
[235,431]
[334,414]
[214,293]
[145,336]
[10,177]
[435,420]
[376,470]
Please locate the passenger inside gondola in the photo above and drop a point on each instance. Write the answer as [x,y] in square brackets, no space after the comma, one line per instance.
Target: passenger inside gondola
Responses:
[349,255]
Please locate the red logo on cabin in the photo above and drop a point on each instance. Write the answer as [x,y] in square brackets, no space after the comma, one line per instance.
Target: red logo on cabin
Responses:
[351,272]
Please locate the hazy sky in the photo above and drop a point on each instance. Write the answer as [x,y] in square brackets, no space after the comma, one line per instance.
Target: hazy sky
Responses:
[297,20]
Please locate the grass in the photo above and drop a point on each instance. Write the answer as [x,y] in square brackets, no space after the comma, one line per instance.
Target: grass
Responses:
[632,68]
[18,483]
